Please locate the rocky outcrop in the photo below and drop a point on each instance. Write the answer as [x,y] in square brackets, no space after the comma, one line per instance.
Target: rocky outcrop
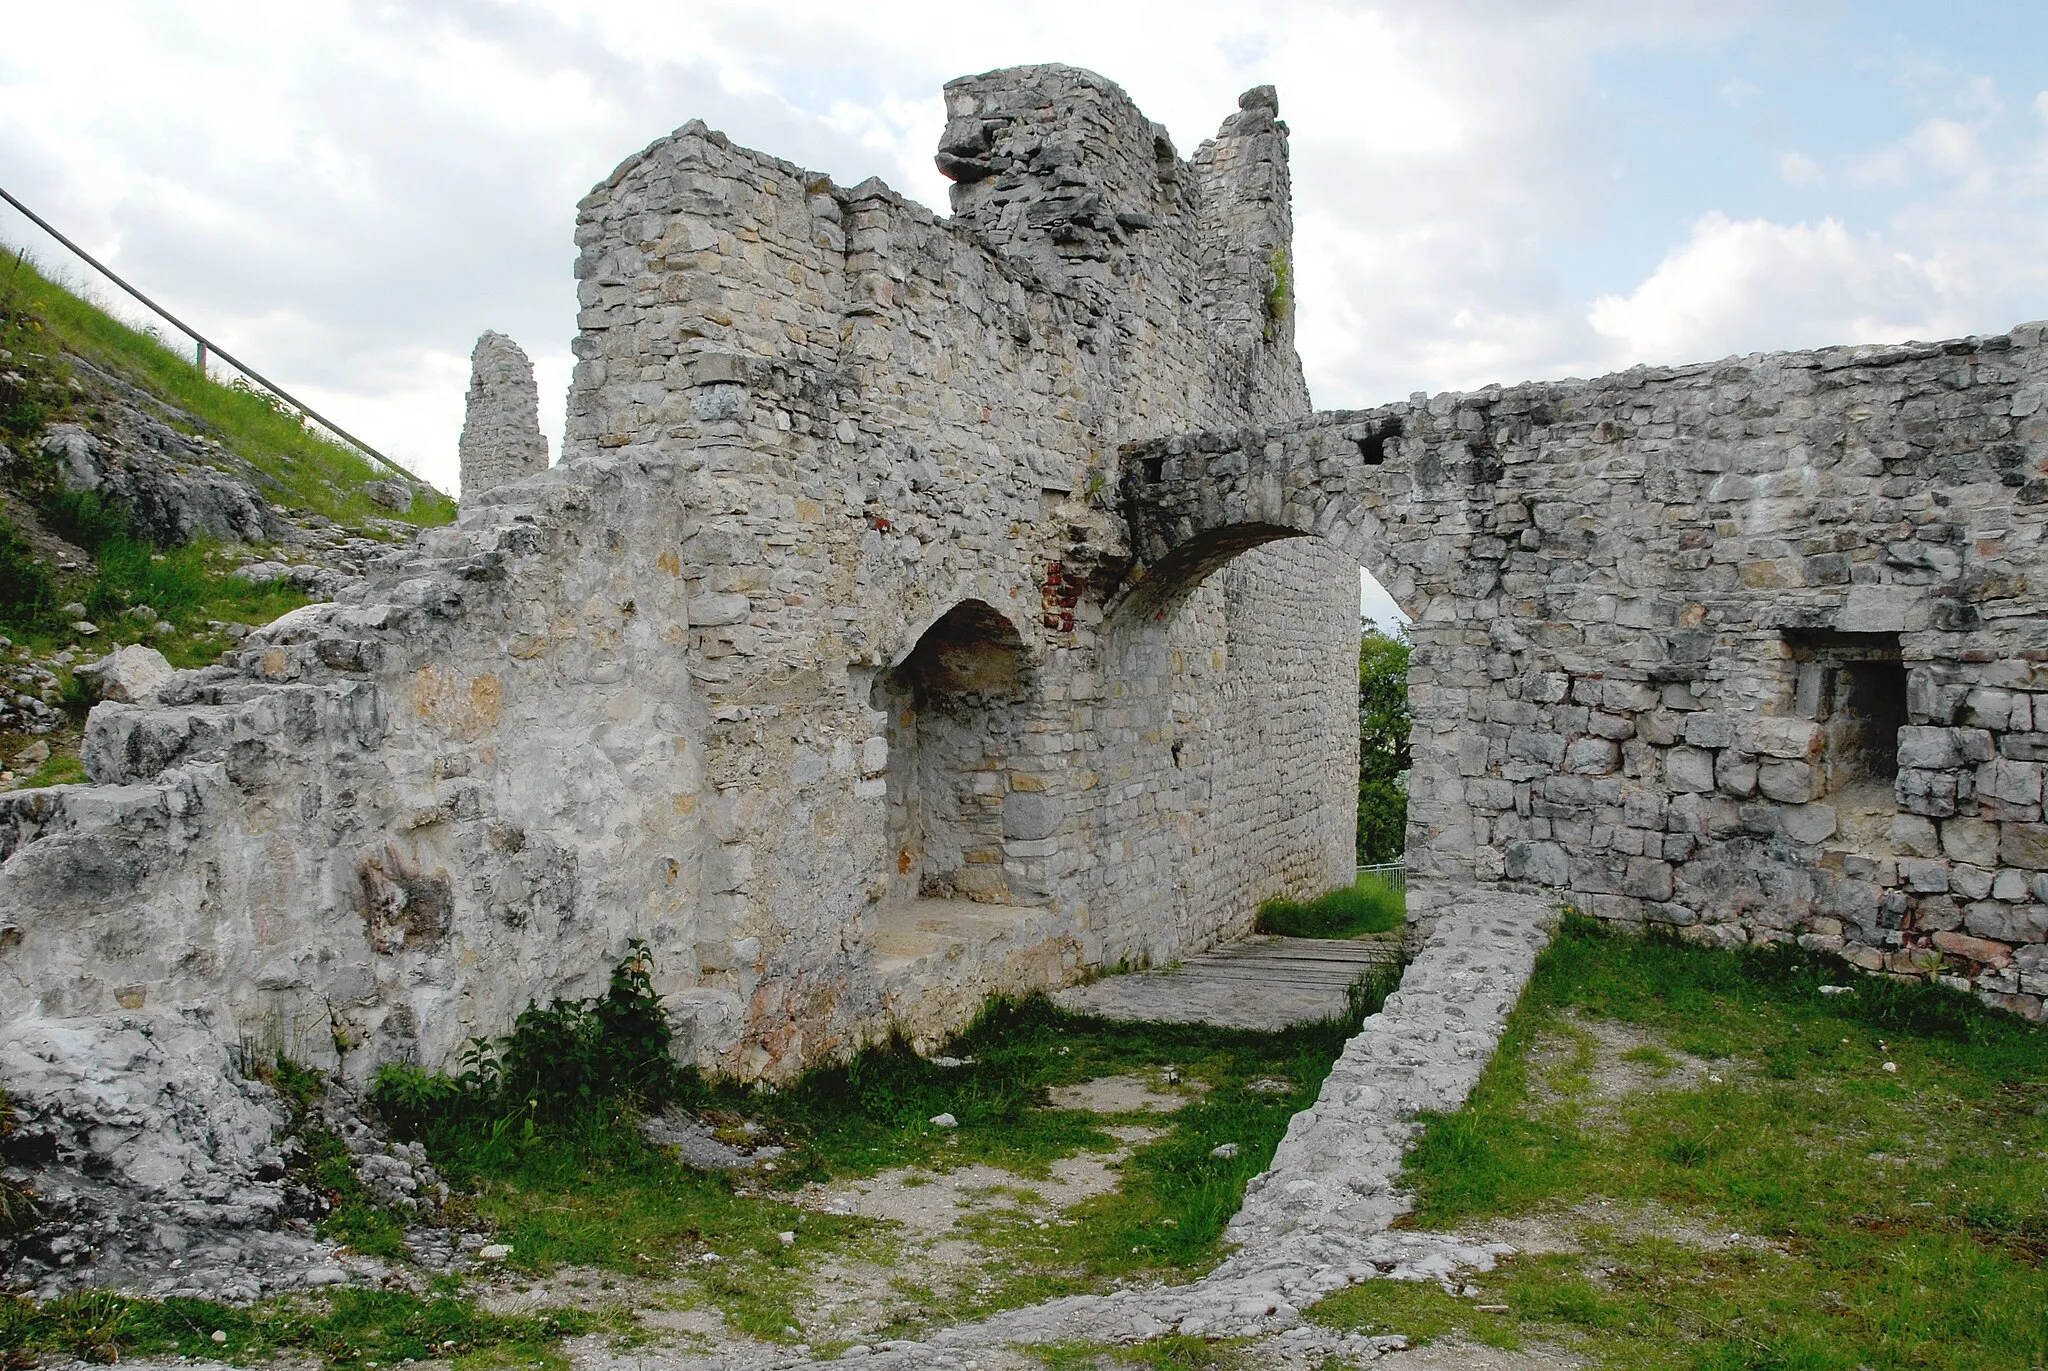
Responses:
[501,437]
[171,496]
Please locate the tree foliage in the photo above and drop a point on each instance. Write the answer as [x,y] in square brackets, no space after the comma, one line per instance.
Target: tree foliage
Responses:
[1382,745]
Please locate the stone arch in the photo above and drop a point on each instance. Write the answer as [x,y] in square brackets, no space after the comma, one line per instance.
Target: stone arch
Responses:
[1228,668]
[1193,504]
[956,703]
[1268,528]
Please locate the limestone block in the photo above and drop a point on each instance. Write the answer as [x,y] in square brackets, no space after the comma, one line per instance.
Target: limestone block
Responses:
[712,611]
[1788,782]
[1915,836]
[2023,845]
[2025,747]
[1809,823]
[1935,749]
[2029,1007]
[1924,877]
[2010,886]
[1928,793]
[132,675]
[1689,769]
[1537,745]
[1709,730]
[1788,739]
[1990,709]
[1592,757]
[2012,923]
[1661,727]
[1735,775]
[1543,863]
[1647,878]
[1975,841]
[2009,790]
[1974,949]
[1970,882]
[1030,815]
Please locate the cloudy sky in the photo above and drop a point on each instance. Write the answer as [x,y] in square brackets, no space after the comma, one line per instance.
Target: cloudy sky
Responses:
[1486,190]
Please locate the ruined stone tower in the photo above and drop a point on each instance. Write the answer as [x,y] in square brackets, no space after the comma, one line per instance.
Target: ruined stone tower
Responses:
[501,437]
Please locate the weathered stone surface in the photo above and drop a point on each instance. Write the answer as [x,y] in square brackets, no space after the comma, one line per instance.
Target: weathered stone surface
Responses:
[159,477]
[132,675]
[501,437]
[821,621]
[999,565]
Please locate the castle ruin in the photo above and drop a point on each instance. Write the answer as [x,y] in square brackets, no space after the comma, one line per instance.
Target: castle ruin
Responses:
[924,608]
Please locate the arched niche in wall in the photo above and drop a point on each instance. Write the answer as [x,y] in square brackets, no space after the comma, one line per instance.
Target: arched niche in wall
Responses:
[956,711]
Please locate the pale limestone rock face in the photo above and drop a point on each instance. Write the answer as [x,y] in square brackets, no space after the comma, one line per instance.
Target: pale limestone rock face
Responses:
[501,437]
[131,675]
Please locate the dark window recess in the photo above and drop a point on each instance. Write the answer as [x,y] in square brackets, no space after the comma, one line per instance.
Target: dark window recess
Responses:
[1155,469]
[1372,449]
[1855,685]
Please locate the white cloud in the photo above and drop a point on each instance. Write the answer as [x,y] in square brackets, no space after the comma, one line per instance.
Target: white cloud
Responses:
[1797,169]
[348,193]
[1736,286]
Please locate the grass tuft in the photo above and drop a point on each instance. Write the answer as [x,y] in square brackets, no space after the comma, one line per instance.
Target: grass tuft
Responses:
[343,1328]
[1368,906]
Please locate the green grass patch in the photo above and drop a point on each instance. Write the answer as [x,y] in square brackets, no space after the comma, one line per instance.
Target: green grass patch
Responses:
[543,1131]
[189,587]
[300,468]
[344,1328]
[1170,1353]
[61,769]
[1369,905]
[1886,1217]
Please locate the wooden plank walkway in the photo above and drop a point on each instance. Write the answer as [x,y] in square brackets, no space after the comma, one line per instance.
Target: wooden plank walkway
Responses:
[1257,982]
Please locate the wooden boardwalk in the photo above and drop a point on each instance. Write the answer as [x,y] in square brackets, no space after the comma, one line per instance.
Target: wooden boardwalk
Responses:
[1257,982]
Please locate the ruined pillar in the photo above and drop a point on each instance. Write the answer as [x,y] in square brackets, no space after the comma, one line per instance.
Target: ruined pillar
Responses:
[501,437]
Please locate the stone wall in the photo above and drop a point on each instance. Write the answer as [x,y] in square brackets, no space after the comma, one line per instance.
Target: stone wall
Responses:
[704,682]
[1750,648]
[501,437]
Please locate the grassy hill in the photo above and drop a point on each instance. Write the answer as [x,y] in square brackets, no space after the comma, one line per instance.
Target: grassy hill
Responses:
[80,572]
[41,321]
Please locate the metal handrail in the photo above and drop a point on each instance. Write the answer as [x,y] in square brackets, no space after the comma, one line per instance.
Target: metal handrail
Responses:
[207,345]
[1393,874]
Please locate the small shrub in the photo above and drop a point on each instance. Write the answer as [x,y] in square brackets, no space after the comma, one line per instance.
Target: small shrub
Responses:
[1383,759]
[85,518]
[1279,289]
[560,1066]
[18,1211]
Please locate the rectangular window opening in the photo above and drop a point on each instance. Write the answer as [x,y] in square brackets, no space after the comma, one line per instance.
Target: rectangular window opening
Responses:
[1854,684]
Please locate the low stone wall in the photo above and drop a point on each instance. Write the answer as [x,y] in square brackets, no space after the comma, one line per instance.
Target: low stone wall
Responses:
[1750,648]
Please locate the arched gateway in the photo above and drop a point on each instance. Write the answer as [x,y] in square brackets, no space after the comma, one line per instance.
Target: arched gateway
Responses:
[928,607]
